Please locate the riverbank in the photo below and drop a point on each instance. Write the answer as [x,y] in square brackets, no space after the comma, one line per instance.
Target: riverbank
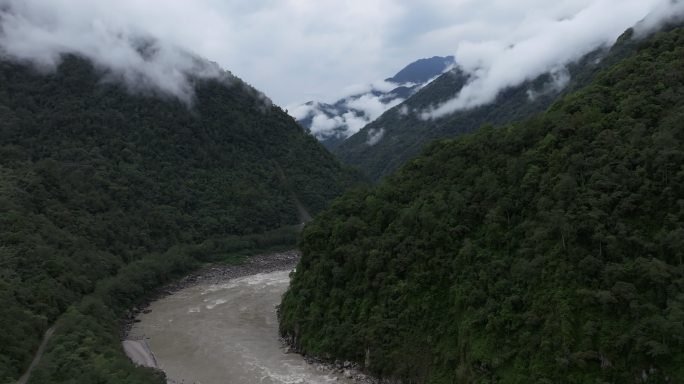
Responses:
[349,370]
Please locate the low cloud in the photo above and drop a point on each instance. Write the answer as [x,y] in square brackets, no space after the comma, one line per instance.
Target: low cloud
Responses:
[373,106]
[559,79]
[359,89]
[544,43]
[299,50]
[325,126]
[300,112]
[353,123]
[42,32]
[374,136]
[361,105]
[323,123]
[667,11]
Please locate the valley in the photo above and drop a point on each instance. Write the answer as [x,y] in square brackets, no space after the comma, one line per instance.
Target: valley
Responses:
[509,214]
[107,194]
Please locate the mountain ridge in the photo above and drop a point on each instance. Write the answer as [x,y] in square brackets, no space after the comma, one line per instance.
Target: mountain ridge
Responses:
[96,180]
[333,123]
[422,70]
[406,132]
[546,251]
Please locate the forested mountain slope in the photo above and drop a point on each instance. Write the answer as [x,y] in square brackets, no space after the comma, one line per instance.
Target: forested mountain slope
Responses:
[548,251]
[401,133]
[93,178]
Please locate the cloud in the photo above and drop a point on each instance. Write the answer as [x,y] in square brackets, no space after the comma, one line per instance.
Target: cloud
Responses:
[300,112]
[541,43]
[372,106]
[666,11]
[42,32]
[343,123]
[360,111]
[374,136]
[354,123]
[559,79]
[361,105]
[300,50]
[323,124]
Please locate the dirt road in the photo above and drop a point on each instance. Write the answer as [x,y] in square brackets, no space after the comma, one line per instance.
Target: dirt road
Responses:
[39,355]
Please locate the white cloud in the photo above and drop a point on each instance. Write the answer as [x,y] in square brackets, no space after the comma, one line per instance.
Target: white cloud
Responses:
[362,110]
[300,50]
[372,106]
[385,86]
[541,43]
[360,107]
[374,136]
[666,11]
[323,124]
[300,112]
[559,79]
[43,32]
[354,123]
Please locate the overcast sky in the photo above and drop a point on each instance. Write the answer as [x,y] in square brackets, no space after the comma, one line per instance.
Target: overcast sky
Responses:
[300,50]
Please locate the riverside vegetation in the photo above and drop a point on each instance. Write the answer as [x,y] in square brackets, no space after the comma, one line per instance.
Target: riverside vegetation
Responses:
[107,194]
[547,251]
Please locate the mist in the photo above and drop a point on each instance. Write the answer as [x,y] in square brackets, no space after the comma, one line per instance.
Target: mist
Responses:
[299,50]
[546,43]
[42,33]
[362,103]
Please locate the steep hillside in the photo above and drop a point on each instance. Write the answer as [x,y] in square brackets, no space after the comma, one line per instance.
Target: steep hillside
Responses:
[334,123]
[400,133]
[93,178]
[549,251]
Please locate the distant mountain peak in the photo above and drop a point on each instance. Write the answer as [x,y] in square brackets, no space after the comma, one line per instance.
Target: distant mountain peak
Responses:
[333,123]
[421,71]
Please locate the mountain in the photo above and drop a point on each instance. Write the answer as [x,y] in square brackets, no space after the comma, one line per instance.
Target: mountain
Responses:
[333,123]
[401,133]
[423,70]
[106,193]
[545,251]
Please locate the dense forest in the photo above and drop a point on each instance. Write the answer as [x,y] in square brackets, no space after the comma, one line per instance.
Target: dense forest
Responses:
[97,182]
[546,251]
[405,133]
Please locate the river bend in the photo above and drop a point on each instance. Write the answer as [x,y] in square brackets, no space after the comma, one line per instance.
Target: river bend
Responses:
[226,333]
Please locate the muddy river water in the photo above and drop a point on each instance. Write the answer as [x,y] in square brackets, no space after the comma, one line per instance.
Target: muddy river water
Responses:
[226,333]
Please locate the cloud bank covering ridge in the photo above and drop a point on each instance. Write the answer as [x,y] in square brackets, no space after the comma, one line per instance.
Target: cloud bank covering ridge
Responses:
[300,50]
[546,43]
[42,33]
[349,114]
[334,122]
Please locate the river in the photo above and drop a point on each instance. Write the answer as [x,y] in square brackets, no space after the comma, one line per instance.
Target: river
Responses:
[225,333]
